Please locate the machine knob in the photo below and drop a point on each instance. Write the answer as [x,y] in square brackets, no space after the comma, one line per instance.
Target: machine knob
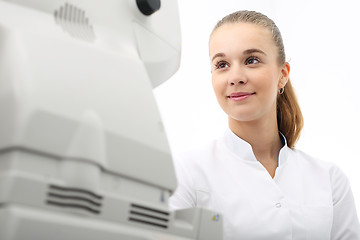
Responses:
[148,7]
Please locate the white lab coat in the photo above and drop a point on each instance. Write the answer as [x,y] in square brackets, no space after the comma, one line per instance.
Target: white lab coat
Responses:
[307,199]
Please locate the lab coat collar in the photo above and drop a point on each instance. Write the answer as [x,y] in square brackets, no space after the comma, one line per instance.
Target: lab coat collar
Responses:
[243,149]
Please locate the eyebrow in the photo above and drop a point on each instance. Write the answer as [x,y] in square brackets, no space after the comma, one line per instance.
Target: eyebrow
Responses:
[246,52]
[253,50]
[218,55]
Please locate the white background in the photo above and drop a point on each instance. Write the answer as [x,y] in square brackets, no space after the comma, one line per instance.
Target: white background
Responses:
[322,43]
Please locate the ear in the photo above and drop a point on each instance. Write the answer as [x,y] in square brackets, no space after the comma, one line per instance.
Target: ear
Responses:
[284,76]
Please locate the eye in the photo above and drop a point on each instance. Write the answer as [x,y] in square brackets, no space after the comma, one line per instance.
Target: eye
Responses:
[221,65]
[252,60]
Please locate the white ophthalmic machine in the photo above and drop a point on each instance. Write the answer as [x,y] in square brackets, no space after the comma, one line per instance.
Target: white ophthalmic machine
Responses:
[83,152]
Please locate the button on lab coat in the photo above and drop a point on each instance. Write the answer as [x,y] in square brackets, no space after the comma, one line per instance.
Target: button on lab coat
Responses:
[307,199]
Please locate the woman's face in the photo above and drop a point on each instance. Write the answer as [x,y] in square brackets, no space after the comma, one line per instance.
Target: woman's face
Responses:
[246,75]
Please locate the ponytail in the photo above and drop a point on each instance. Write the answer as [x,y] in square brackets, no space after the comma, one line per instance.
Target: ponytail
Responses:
[289,117]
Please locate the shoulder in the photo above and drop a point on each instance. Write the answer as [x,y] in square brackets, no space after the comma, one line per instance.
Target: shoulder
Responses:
[312,162]
[316,168]
[198,156]
[192,170]
[197,166]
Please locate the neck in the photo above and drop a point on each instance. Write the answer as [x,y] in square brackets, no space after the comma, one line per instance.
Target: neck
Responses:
[262,135]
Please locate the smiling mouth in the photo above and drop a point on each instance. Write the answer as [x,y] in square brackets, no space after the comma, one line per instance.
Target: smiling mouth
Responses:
[239,96]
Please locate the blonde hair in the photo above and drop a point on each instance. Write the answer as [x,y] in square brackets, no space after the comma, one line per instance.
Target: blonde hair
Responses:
[289,117]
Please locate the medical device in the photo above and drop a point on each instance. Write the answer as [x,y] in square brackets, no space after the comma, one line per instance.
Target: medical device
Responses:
[83,151]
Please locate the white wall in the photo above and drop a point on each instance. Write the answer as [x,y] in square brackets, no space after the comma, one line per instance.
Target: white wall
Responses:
[322,42]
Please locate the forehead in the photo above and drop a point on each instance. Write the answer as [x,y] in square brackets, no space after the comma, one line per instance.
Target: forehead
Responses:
[234,38]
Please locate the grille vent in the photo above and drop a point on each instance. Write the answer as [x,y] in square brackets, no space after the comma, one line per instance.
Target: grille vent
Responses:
[73,20]
[148,216]
[74,198]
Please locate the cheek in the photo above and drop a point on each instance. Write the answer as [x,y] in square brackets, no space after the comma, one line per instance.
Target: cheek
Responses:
[217,86]
[267,82]
[220,91]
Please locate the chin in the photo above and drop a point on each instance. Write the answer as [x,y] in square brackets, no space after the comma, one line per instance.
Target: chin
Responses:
[242,117]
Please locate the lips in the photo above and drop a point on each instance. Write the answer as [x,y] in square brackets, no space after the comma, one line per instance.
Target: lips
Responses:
[239,96]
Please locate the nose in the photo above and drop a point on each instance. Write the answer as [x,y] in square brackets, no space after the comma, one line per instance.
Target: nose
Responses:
[237,82]
[237,76]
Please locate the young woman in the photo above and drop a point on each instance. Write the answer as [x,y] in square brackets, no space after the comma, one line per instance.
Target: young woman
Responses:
[264,187]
